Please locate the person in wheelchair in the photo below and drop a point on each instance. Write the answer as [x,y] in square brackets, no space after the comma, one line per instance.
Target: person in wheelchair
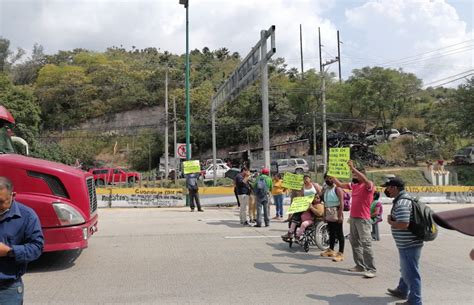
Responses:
[300,221]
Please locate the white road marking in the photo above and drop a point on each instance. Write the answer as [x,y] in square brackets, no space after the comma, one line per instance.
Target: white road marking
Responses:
[220,219]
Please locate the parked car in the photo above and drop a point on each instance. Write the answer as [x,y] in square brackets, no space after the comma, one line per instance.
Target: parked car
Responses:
[295,165]
[103,176]
[210,161]
[380,135]
[464,156]
[208,173]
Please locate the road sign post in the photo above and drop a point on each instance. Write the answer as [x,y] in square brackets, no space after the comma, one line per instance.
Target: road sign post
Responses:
[181,151]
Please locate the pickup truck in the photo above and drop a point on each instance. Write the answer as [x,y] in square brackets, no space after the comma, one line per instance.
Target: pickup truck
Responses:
[109,175]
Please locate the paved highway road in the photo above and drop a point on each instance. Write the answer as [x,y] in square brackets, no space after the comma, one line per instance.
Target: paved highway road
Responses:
[172,256]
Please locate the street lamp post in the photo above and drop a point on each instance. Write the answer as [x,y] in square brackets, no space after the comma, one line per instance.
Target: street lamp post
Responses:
[188,150]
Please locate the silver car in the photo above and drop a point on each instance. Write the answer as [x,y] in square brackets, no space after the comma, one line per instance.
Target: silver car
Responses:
[295,165]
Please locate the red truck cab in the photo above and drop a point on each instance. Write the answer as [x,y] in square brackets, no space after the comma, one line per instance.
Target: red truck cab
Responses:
[106,175]
[63,197]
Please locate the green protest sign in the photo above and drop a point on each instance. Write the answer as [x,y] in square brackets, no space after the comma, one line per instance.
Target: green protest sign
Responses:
[300,204]
[191,166]
[292,181]
[338,158]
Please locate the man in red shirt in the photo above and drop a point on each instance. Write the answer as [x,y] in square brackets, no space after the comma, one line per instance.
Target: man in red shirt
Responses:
[360,226]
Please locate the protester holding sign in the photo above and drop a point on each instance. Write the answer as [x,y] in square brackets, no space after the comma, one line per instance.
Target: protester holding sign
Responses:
[307,188]
[338,158]
[334,205]
[360,225]
[192,170]
[293,181]
[313,208]
[193,191]
[191,167]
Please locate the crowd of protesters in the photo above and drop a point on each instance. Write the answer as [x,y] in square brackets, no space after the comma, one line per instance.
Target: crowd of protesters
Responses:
[328,204]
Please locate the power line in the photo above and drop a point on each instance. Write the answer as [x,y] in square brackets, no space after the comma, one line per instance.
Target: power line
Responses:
[420,54]
[451,52]
[451,81]
[448,77]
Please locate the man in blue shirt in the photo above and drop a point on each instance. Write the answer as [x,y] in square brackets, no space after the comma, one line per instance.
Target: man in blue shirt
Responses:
[21,241]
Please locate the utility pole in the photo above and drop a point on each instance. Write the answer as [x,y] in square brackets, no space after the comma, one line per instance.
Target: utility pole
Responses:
[301,51]
[149,157]
[323,99]
[175,143]
[188,114]
[265,112]
[314,143]
[214,147]
[339,55]
[323,103]
[166,127]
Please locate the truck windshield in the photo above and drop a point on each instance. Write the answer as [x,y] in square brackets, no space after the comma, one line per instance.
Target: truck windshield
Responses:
[6,146]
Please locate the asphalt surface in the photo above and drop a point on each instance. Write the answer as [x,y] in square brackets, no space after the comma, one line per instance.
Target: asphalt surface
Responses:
[172,256]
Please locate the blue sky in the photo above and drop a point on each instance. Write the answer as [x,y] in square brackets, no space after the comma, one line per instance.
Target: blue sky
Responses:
[431,38]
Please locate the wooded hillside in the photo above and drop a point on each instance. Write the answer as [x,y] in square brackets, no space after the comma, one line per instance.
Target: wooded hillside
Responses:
[51,94]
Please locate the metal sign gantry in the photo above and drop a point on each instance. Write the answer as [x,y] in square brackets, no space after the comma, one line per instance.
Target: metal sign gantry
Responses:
[254,64]
[246,72]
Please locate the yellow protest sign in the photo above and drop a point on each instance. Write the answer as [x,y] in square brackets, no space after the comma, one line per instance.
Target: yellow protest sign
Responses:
[300,204]
[338,158]
[292,181]
[191,166]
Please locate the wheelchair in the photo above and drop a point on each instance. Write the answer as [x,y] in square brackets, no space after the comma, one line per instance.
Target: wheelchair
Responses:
[316,234]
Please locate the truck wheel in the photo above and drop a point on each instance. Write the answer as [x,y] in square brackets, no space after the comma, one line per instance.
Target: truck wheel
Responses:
[299,171]
[99,182]
[131,180]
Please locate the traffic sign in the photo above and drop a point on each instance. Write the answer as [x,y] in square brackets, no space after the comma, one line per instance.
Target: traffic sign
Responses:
[181,150]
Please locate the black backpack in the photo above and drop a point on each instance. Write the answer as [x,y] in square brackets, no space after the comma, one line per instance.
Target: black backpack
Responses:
[421,221]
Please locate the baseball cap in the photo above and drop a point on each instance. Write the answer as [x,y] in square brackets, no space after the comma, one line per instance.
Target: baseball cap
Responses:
[461,220]
[395,181]
[265,171]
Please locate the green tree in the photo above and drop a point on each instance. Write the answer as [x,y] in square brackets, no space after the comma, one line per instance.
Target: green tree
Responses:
[147,152]
[26,73]
[22,104]
[64,93]
[384,93]
[463,108]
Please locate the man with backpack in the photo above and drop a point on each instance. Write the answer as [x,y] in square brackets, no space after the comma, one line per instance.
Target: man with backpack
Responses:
[409,245]
[263,184]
